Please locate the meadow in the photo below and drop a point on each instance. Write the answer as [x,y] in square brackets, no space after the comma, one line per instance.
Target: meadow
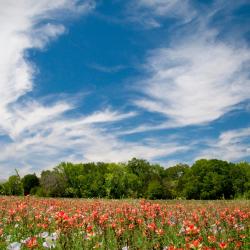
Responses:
[51,223]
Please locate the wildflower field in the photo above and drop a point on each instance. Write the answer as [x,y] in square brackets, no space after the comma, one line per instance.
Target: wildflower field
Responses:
[39,223]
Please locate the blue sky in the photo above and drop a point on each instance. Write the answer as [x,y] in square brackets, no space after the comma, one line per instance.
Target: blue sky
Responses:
[167,81]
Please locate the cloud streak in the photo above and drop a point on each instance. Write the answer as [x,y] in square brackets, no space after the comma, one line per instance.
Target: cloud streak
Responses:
[150,13]
[38,135]
[105,69]
[231,145]
[194,80]
[78,139]
[27,24]
[197,79]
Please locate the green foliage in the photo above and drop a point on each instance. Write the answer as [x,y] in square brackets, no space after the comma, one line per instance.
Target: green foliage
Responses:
[13,186]
[30,181]
[205,179]
[1,189]
[173,180]
[240,175]
[210,180]
[53,183]
[155,190]
[115,181]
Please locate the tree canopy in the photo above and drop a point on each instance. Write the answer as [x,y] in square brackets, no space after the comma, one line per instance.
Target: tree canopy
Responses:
[205,179]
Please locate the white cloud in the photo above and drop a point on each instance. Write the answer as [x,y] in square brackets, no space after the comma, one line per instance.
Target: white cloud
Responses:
[148,12]
[105,69]
[33,113]
[107,116]
[231,145]
[79,139]
[196,80]
[27,24]
[180,8]
[36,134]
[192,82]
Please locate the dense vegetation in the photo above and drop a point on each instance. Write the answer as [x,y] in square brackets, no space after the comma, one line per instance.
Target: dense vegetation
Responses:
[102,224]
[205,179]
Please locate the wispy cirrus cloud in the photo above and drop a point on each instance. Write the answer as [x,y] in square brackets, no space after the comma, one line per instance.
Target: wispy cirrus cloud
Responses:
[197,81]
[105,69]
[231,145]
[36,134]
[25,25]
[197,78]
[194,78]
[150,13]
[77,139]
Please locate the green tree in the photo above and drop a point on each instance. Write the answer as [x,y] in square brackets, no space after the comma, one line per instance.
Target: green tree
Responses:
[2,189]
[155,190]
[14,185]
[209,179]
[240,174]
[132,184]
[71,173]
[53,183]
[144,171]
[174,180]
[30,181]
[115,184]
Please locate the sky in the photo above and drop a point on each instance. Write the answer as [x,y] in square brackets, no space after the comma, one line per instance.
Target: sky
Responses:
[163,80]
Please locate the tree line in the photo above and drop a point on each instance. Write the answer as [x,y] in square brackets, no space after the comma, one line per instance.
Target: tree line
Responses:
[205,179]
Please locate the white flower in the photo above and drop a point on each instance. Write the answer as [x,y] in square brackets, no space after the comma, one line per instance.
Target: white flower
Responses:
[54,236]
[25,241]
[50,241]
[214,229]
[239,226]
[125,248]
[44,235]
[182,230]
[49,245]
[14,246]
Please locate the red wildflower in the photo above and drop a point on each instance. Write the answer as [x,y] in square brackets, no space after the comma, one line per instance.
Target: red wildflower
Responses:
[238,244]
[223,245]
[152,226]
[159,231]
[89,228]
[62,215]
[32,242]
[211,238]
